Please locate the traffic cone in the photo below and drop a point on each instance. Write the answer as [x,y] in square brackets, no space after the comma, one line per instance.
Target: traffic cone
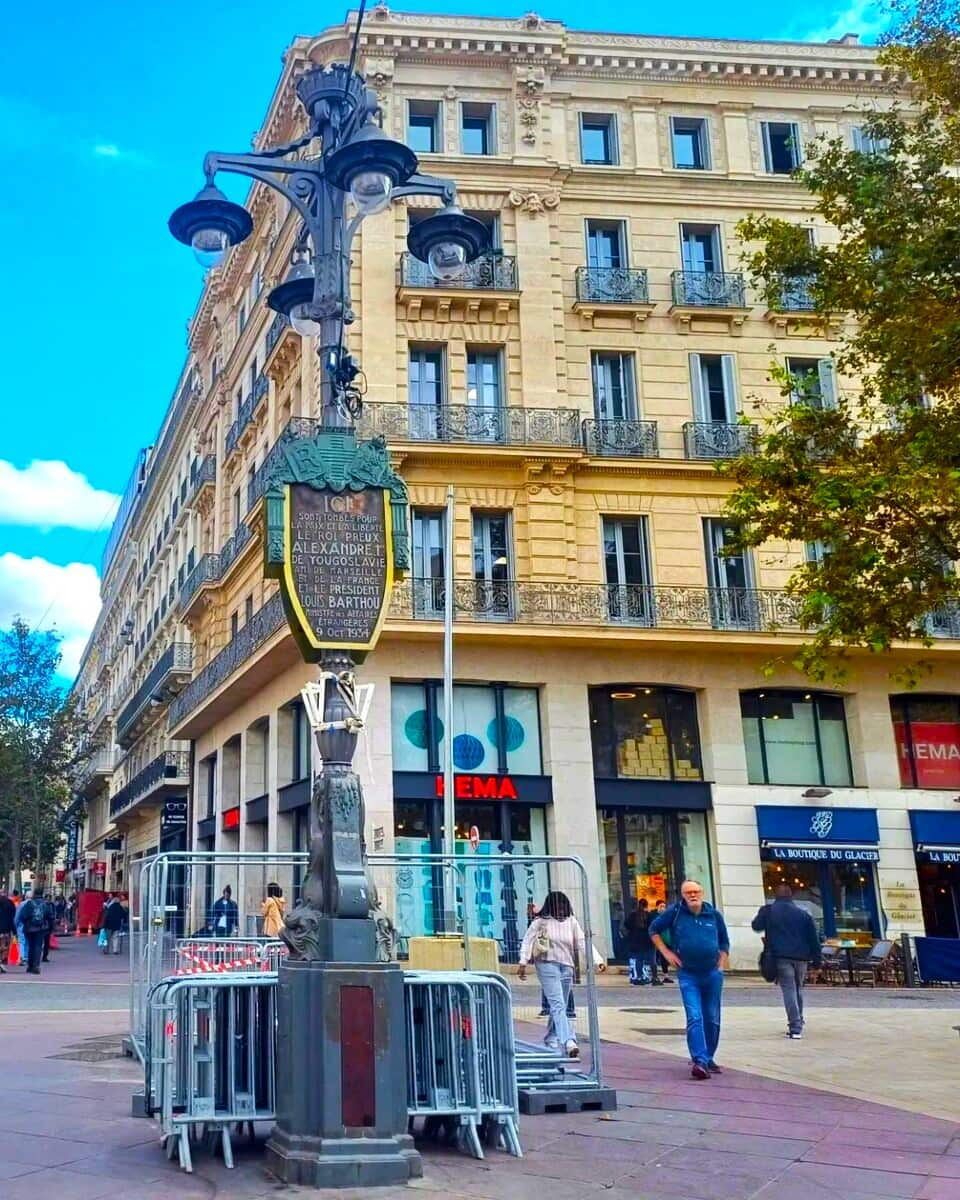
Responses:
[13,958]
[54,944]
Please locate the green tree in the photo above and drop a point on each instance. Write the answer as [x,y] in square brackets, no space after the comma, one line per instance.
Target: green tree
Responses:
[875,479]
[42,738]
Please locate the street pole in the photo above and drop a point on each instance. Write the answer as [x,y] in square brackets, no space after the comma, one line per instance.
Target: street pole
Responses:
[449,799]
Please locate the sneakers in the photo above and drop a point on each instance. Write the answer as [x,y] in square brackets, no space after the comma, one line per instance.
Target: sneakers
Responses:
[714,1069]
[795,1037]
[699,1071]
[572,1049]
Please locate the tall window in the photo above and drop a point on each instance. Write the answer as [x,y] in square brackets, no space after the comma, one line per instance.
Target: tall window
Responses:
[423,126]
[733,603]
[614,386]
[477,129]
[927,733]
[626,559]
[598,139]
[236,510]
[428,560]
[641,732]
[691,148]
[795,737]
[248,610]
[495,728]
[813,382]
[700,249]
[713,384]
[484,378]
[606,245]
[234,623]
[301,742]
[425,391]
[782,152]
[491,563]
[866,143]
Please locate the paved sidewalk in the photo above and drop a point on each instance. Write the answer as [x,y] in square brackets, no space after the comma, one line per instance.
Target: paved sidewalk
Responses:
[65,1128]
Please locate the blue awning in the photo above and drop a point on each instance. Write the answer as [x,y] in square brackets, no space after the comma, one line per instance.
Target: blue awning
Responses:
[936,835]
[817,825]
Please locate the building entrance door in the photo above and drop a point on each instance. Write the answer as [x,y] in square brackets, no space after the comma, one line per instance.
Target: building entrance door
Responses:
[940,898]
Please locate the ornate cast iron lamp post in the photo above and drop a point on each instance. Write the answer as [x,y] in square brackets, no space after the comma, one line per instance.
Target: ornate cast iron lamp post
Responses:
[335,510]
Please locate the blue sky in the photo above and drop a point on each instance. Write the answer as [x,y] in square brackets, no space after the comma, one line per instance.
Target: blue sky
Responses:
[106,135]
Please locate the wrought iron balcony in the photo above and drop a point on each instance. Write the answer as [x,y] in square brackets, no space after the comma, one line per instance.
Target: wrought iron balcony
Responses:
[717,439]
[205,473]
[231,548]
[471,423]
[490,272]
[795,294]
[944,620]
[280,322]
[262,625]
[708,289]
[621,439]
[261,387]
[94,770]
[762,610]
[166,678]
[207,570]
[170,769]
[612,285]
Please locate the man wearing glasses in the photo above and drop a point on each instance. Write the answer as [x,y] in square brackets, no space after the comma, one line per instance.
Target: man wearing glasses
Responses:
[692,936]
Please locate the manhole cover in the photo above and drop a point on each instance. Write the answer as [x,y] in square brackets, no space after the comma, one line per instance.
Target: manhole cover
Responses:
[648,1010]
[661,1032]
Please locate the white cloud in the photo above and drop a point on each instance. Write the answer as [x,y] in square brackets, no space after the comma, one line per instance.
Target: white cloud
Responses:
[868,18]
[66,599]
[111,150]
[49,494]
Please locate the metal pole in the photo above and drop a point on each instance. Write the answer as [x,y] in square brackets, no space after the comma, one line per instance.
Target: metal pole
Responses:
[449,803]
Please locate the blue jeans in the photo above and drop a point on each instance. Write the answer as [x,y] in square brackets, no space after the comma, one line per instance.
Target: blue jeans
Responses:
[556,980]
[642,965]
[701,992]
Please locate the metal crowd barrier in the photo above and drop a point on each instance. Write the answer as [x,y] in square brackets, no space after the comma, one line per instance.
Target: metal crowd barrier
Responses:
[205,956]
[210,1058]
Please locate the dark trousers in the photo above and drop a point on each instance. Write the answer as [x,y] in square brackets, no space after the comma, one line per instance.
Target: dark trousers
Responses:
[34,951]
[46,946]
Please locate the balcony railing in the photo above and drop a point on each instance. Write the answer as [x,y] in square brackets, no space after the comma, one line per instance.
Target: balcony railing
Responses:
[717,439]
[99,765]
[612,285]
[471,423]
[944,620]
[261,386]
[650,607]
[280,322]
[265,622]
[619,438]
[230,550]
[207,570]
[206,473]
[708,289]
[165,768]
[163,681]
[795,293]
[490,272]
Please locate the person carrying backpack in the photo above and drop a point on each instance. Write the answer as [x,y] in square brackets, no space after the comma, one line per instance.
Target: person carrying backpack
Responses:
[699,948]
[32,920]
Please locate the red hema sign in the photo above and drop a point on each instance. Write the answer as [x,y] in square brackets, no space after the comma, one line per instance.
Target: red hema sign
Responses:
[936,753]
[480,787]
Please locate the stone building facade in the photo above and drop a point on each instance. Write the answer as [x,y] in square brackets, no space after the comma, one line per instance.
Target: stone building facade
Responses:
[576,388]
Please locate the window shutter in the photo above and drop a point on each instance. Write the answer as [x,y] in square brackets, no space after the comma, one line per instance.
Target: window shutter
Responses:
[858,140]
[696,387]
[828,385]
[767,153]
[729,386]
[797,145]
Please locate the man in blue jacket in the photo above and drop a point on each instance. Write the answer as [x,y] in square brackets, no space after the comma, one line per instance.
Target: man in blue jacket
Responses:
[791,937]
[699,948]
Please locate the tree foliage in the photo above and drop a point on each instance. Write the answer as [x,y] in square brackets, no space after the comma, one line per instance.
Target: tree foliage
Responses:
[42,739]
[875,480]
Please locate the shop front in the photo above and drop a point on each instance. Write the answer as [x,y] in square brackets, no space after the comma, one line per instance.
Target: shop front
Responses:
[936,845]
[828,856]
[652,802]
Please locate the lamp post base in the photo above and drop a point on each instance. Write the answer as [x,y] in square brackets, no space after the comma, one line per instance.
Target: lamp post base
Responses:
[341,1077]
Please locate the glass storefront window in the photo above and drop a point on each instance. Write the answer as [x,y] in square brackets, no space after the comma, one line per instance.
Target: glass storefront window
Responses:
[695,850]
[805,879]
[474,730]
[521,714]
[852,886]
[841,897]
[795,738]
[641,732]
[408,724]
[927,733]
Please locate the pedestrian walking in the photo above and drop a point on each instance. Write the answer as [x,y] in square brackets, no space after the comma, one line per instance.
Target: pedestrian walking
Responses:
[20,899]
[112,923]
[272,910]
[32,921]
[556,945]
[50,913]
[699,948]
[660,962]
[8,911]
[641,952]
[791,938]
[225,916]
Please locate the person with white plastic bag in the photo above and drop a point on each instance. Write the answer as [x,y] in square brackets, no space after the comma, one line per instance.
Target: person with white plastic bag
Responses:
[555,944]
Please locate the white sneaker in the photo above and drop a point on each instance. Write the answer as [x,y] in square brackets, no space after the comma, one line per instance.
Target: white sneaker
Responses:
[572,1049]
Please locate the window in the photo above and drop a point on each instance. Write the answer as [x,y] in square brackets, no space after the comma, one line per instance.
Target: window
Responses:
[236,510]
[491,564]
[781,147]
[496,728]
[428,560]
[816,552]
[598,139]
[423,126]
[208,776]
[241,317]
[713,384]
[813,382]
[301,742]
[614,386]
[237,403]
[477,129]
[626,558]
[795,737]
[425,391]
[606,245]
[248,610]
[927,733]
[252,375]
[641,732]
[251,476]
[866,143]
[214,370]
[691,147]
[700,248]
[234,623]
[733,601]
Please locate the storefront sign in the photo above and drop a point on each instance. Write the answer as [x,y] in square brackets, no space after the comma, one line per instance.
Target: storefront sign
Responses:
[231,819]
[114,843]
[99,869]
[809,825]
[173,817]
[59,875]
[480,787]
[821,853]
[936,753]
[902,905]
[936,835]
[73,835]
[940,856]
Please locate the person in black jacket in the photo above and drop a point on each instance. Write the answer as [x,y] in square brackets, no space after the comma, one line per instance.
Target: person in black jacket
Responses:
[641,954]
[8,911]
[791,937]
[225,916]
